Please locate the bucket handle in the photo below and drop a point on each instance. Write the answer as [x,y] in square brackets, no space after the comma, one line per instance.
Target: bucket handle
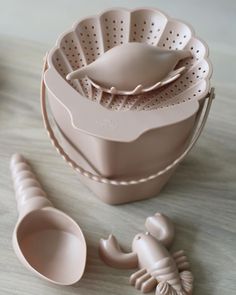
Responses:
[101,179]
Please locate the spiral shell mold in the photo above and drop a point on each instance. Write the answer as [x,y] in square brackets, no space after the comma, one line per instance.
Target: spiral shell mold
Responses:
[29,193]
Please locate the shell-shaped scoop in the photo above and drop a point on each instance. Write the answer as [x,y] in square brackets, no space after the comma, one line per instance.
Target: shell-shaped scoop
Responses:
[132,68]
[46,240]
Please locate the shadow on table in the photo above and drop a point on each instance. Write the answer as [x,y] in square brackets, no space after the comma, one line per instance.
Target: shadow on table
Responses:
[186,236]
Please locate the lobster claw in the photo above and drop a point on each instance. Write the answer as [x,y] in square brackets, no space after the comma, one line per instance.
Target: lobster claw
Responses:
[161,227]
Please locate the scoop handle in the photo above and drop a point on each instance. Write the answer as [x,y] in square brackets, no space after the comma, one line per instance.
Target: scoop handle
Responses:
[29,193]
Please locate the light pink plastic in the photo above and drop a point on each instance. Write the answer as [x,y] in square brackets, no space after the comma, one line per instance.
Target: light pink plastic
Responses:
[170,274]
[126,155]
[47,241]
[92,36]
[132,68]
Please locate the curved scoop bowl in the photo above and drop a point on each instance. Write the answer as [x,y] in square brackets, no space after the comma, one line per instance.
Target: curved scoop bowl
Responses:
[52,245]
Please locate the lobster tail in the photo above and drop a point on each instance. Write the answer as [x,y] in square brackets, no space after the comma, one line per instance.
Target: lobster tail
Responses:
[161,227]
[186,278]
[164,288]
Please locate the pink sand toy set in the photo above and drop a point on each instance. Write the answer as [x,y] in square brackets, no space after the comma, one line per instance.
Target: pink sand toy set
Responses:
[129,94]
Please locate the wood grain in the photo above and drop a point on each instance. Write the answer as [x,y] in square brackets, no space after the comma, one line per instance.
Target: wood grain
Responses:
[200,196]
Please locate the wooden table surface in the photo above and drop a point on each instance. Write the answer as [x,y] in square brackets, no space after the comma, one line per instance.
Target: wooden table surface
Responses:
[200,198]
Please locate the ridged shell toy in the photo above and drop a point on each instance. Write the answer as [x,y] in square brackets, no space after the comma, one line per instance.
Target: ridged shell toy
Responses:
[133,68]
[46,241]
[169,273]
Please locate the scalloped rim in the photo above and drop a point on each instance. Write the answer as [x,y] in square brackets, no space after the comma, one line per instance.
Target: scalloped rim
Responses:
[99,15]
[130,11]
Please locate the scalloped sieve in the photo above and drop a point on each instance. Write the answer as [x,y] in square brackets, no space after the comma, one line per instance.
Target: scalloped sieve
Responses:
[91,37]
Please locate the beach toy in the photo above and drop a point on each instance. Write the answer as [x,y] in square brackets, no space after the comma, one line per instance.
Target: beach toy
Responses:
[47,241]
[133,68]
[169,273]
